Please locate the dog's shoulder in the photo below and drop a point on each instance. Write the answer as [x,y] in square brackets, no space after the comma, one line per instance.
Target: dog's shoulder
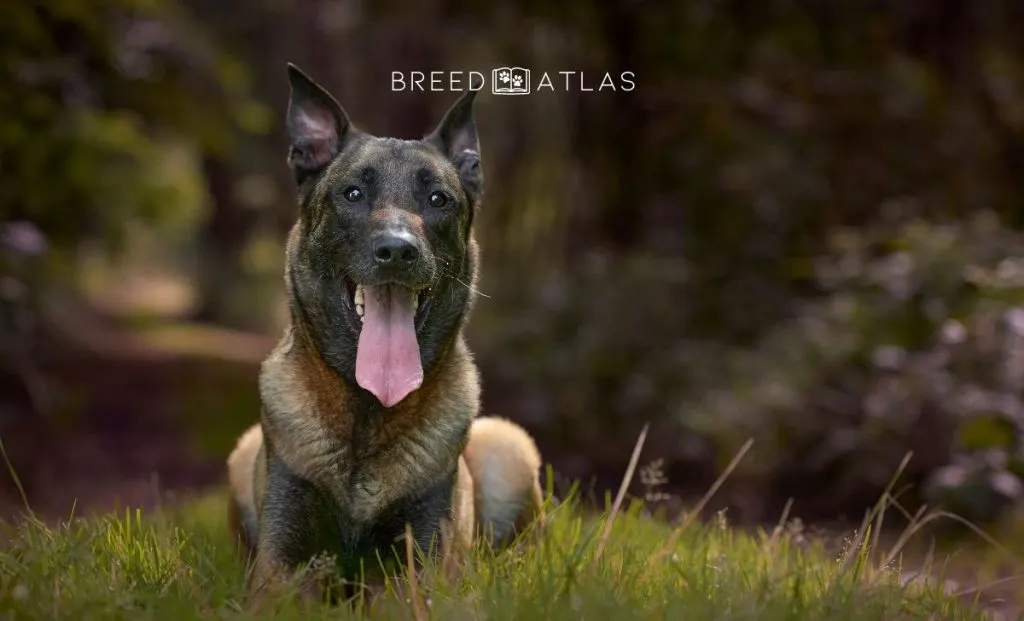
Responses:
[456,385]
[304,415]
[288,379]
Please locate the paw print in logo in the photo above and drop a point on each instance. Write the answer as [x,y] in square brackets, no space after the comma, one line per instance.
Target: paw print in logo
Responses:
[517,81]
[504,77]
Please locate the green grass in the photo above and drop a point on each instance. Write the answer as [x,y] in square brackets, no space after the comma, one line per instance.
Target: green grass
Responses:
[180,564]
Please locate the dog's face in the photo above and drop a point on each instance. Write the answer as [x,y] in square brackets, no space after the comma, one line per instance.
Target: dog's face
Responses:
[386,235]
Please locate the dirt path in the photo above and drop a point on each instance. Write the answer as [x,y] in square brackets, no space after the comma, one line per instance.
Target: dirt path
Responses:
[122,429]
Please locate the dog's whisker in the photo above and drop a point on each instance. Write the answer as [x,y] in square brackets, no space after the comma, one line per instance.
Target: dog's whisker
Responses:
[471,288]
[444,270]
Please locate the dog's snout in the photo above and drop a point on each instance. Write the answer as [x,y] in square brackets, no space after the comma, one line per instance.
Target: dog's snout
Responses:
[397,254]
[395,251]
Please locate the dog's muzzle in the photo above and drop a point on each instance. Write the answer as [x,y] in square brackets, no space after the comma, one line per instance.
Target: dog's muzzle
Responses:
[397,257]
[390,308]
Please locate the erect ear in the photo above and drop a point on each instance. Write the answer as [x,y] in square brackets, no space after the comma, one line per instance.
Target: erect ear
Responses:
[456,137]
[316,125]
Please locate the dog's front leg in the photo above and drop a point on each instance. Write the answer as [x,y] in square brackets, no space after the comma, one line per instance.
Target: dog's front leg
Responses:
[439,518]
[268,581]
[298,522]
[457,532]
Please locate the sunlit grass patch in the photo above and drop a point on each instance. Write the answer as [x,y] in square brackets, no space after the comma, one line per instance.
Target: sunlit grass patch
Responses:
[181,564]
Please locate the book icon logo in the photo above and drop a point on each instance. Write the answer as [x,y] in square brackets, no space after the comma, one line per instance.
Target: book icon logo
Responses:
[510,81]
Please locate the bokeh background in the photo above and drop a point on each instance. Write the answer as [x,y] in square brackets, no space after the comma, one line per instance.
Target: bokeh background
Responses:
[803,226]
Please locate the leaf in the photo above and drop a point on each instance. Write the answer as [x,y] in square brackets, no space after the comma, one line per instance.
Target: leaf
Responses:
[987,432]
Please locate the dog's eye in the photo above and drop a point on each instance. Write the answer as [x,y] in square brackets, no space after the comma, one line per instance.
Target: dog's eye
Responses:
[352,194]
[438,199]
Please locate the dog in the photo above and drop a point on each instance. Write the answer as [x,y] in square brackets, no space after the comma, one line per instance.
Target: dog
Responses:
[370,400]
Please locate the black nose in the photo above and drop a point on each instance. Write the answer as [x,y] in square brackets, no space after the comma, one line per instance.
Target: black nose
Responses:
[394,250]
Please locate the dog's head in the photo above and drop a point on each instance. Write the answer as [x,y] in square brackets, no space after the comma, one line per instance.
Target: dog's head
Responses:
[386,237]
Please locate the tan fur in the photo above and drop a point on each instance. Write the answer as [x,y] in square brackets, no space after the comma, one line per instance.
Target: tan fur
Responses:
[304,414]
[463,509]
[307,420]
[505,462]
[497,493]
[241,464]
[410,448]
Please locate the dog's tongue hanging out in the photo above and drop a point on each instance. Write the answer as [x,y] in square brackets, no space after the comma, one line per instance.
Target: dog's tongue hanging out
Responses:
[388,358]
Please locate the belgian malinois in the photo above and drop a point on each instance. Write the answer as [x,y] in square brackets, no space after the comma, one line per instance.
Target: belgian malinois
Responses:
[370,399]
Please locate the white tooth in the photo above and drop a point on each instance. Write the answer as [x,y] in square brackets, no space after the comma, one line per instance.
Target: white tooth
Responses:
[415,301]
[358,298]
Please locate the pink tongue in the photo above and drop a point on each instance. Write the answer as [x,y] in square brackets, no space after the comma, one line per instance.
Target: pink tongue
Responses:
[388,358]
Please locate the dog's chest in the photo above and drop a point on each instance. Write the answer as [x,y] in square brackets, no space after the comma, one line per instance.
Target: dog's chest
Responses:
[368,471]
[365,461]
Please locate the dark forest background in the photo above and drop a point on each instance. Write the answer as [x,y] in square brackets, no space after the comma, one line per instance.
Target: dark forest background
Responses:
[803,226]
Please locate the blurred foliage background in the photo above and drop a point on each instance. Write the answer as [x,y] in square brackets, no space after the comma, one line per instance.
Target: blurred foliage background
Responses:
[803,226]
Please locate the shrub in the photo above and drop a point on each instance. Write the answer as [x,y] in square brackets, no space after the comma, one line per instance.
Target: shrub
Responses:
[916,346]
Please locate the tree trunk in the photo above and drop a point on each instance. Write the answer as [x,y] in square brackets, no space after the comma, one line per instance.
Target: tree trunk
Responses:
[221,244]
[609,134]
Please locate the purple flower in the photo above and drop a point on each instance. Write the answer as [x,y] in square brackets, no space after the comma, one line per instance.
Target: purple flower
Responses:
[23,238]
